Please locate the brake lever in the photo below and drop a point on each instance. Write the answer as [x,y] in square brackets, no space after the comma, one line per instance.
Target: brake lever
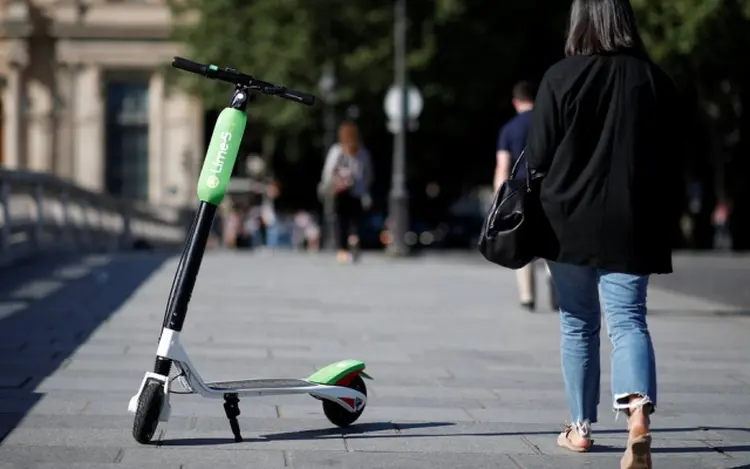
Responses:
[284,92]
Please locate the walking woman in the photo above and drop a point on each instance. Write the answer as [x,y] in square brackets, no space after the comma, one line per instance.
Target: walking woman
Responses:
[605,133]
[348,175]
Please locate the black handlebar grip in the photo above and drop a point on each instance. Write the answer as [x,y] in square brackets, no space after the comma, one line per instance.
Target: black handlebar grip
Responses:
[190,66]
[300,97]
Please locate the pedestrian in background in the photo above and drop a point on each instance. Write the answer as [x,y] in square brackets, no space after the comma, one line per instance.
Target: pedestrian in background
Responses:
[605,133]
[348,175]
[510,145]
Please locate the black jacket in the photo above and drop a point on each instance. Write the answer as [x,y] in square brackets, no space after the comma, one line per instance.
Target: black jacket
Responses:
[605,132]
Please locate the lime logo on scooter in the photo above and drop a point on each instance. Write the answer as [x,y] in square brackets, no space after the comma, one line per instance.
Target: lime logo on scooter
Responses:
[213,180]
[221,156]
[225,138]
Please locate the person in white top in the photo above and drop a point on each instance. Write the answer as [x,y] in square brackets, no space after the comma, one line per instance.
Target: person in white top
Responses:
[348,175]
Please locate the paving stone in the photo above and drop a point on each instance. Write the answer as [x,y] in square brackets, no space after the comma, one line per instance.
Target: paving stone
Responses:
[182,406]
[41,403]
[387,460]
[15,380]
[734,435]
[209,368]
[24,453]
[75,465]
[436,443]
[611,461]
[252,439]
[187,457]
[463,377]
[436,392]
[71,438]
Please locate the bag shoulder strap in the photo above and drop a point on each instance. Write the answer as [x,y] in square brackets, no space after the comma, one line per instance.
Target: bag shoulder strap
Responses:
[514,170]
[528,175]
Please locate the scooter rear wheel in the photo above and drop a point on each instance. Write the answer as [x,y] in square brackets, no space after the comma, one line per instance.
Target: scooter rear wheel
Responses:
[147,415]
[339,416]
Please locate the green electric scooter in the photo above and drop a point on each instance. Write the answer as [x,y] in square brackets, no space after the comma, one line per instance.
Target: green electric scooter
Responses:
[339,386]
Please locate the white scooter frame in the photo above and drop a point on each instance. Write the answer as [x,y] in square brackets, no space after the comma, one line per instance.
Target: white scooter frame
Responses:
[170,348]
[339,386]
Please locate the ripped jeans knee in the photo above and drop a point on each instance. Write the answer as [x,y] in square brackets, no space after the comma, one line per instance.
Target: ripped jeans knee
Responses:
[625,403]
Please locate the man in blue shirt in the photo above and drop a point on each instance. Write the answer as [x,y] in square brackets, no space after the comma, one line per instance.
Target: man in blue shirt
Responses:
[512,138]
[510,144]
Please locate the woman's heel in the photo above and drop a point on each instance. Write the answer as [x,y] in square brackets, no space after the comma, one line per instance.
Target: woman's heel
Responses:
[576,438]
[637,453]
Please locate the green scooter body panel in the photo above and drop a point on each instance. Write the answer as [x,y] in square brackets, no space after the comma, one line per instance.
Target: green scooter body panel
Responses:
[331,374]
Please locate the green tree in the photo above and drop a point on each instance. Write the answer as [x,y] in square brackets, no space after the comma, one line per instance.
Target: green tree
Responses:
[289,42]
[703,44]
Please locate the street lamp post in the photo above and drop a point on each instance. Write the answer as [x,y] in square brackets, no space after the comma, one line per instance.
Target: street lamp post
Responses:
[403,104]
[399,197]
[327,86]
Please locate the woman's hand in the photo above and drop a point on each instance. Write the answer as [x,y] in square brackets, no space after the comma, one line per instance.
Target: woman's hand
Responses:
[341,183]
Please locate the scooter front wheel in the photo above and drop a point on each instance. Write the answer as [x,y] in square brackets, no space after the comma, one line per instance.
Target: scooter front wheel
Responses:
[147,415]
[340,416]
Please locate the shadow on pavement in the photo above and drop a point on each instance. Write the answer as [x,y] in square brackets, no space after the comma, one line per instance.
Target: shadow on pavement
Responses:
[48,308]
[176,442]
[362,430]
[366,431]
[721,449]
[354,430]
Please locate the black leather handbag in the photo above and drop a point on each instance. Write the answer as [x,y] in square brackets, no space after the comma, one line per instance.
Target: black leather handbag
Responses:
[516,230]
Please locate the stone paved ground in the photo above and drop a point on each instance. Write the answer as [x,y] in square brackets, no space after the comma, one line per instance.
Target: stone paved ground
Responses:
[722,277]
[463,378]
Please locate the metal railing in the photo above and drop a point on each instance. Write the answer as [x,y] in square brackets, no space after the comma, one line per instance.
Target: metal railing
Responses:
[41,213]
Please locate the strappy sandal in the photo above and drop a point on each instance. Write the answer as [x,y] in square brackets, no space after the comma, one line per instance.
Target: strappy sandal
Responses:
[564,439]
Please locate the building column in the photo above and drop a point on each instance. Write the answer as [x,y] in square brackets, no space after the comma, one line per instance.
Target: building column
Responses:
[89,157]
[14,141]
[183,153]
[41,129]
[157,182]
[66,121]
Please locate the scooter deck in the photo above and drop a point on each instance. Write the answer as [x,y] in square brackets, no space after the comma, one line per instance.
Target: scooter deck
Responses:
[250,384]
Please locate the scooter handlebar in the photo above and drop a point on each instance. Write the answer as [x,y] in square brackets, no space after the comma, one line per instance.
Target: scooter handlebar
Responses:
[232,76]
[190,66]
[299,97]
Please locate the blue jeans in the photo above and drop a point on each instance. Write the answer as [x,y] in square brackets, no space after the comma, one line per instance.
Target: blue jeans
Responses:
[623,299]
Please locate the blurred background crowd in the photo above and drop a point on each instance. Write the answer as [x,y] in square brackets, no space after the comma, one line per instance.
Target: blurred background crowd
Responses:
[87,95]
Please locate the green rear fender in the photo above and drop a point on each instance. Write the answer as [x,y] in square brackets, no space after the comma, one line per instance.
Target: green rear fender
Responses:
[332,373]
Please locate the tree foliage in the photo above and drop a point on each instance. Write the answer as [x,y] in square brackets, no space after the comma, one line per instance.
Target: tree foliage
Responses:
[704,45]
[290,41]
[464,55]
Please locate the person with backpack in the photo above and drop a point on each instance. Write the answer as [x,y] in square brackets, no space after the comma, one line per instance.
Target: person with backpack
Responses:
[347,176]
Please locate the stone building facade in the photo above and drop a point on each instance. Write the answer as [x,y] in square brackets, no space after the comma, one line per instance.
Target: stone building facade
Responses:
[84,97]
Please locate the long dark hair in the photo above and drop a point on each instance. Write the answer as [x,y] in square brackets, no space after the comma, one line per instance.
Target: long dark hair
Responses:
[603,27]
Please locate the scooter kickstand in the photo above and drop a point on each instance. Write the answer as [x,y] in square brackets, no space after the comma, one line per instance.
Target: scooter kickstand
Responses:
[232,409]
